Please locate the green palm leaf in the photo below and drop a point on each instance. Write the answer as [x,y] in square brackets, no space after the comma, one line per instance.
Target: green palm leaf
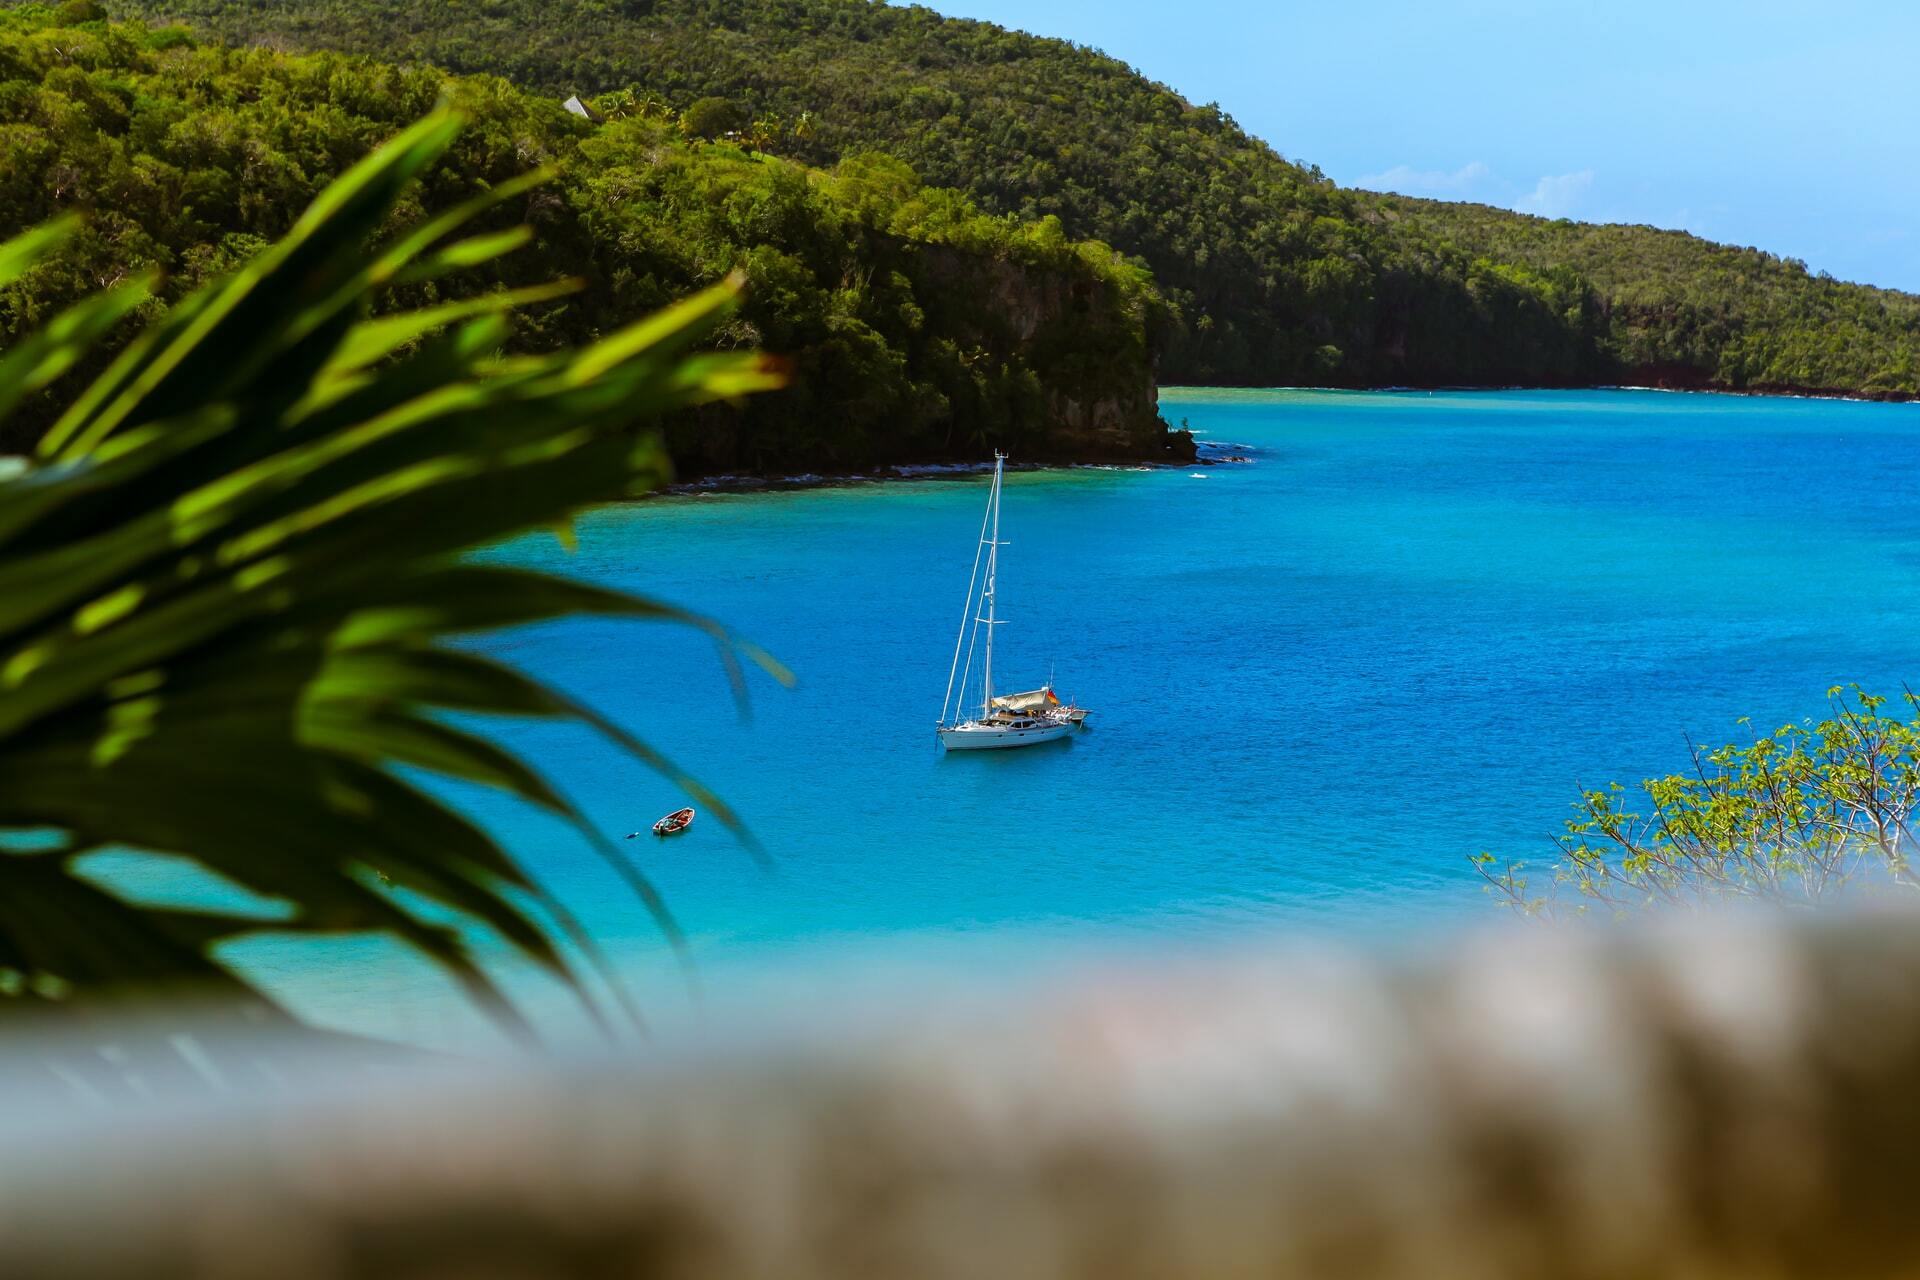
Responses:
[227,573]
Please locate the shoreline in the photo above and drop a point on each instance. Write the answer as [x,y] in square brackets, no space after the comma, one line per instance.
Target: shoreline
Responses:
[1759,393]
[1847,397]
[720,484]
[1207,453]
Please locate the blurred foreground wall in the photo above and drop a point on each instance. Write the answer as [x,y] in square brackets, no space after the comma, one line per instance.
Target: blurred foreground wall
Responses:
[1732,1098]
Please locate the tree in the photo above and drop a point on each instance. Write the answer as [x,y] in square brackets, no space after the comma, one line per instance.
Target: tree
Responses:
[1800,816]
[764,133]
[73,13]
[228,569]
[712,118]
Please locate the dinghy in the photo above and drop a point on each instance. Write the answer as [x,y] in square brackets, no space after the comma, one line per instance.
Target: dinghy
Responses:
[674,823]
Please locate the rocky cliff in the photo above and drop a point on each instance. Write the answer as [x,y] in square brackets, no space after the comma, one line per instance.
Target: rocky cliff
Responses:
[1048,363]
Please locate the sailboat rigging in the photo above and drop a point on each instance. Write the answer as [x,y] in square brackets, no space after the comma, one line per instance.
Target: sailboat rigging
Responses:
[1010,720]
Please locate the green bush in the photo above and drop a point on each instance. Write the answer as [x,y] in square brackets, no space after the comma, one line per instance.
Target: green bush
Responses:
[1799,817]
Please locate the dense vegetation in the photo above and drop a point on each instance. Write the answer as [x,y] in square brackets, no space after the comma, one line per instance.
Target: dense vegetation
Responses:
[1688,312]
[917,326]
[1282,277]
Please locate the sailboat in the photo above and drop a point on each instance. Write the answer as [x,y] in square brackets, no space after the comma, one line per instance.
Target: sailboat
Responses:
[1009,720]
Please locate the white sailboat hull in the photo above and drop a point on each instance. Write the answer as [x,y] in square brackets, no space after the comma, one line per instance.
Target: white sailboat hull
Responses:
[975,736]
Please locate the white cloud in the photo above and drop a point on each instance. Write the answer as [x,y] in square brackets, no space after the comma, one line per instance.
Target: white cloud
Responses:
[1553,196]
[1409,181]
[1558,197]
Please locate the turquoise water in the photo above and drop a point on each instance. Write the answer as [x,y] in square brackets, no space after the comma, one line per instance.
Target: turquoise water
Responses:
[1406,630]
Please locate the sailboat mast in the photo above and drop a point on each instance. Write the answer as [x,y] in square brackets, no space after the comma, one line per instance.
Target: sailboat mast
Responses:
[968,619]
[993,567]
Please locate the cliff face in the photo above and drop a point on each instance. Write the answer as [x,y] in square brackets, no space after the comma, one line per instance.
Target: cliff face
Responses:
[1049,363]
[1099,350]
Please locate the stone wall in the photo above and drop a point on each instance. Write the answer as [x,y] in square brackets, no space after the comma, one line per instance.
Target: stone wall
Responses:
[1730,1098]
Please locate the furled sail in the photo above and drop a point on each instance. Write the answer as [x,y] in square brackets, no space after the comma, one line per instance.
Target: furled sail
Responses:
[1026,703]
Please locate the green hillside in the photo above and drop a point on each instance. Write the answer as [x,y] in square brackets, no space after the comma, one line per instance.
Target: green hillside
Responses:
[1282,277]
[1686,311]
[918,326]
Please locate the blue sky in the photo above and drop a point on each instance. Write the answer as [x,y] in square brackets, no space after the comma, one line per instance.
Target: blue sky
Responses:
[1794,127]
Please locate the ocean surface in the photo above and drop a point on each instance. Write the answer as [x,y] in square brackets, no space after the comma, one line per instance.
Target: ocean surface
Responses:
[1406,629]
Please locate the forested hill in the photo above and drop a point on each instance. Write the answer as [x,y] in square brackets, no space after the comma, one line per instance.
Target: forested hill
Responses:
[1282,277]
[919,328]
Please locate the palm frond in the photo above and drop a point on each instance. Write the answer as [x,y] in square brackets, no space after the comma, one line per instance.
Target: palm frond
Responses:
[228,572]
